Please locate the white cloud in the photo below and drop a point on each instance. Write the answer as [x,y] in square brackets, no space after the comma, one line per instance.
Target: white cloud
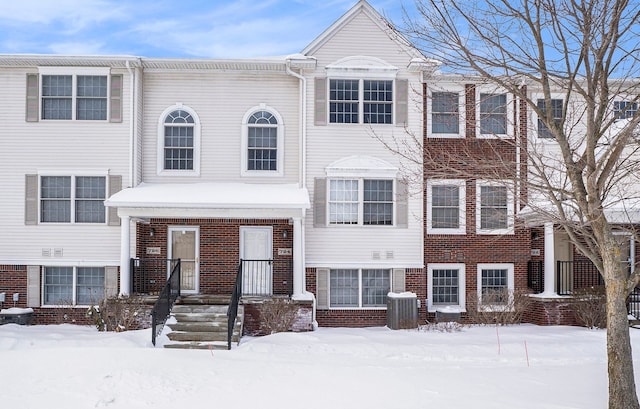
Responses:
[167,28]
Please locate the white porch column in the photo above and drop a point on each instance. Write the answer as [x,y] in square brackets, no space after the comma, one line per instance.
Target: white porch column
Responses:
[125,255]
[298,262]
[549,262]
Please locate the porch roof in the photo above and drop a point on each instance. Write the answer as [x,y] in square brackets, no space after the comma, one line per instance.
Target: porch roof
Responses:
[617,210]
[211,196]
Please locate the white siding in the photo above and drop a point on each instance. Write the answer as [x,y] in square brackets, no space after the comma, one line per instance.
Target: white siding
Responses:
[360,245]
[73,146]
[221,99]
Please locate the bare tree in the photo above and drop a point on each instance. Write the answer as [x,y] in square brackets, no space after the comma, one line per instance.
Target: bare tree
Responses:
[583,175]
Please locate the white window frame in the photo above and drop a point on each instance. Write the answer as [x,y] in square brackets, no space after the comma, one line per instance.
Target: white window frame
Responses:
[73,175]
[461,306]
[161,171]
[462,200]
[360,305]
[486,89]
[462,111]
[74,285]
[244,152]
[630,100]
[510,207]
[534,116]
[510,285]
[74,73]
[360,221]
[361,101]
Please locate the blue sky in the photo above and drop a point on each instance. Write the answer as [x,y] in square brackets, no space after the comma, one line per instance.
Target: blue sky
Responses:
[171,28]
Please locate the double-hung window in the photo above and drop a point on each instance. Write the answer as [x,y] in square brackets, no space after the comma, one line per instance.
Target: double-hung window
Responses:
[445,113]
[354,101]
[557,111]
[262,142]
[73,285]
[178,146]
[494,208]
[72,199]
[80,97]
[624,109]
[359,288]
[179,140]
[361,202]
[495,285]
[446,286]
[446,206]
[493,115]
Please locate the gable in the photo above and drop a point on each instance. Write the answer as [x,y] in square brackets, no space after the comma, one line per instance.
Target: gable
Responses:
[361,31]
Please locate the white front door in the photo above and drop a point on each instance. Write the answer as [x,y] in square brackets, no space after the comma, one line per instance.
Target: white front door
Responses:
[256,253]
[184,243]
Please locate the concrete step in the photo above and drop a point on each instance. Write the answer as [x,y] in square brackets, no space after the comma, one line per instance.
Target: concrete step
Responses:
[209,326]
[198,336]
[202,326]
[199,345]
[200,308]
[207,299]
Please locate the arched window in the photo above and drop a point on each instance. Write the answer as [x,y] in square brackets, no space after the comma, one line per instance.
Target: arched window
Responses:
[178,141]
[262,142]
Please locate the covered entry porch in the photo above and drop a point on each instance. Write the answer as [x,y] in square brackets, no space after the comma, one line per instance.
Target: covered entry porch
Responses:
[211,227]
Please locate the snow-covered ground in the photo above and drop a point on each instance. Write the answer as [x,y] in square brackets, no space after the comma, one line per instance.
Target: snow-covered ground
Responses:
[519,367]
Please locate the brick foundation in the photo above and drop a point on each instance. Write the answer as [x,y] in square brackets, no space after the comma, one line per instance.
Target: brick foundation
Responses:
[551,311]
[302,323]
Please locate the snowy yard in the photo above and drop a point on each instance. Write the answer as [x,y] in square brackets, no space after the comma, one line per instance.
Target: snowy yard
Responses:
[516,367]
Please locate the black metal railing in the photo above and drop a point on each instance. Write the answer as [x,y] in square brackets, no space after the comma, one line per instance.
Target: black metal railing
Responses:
[535,275]
[259,280]
[633,303]
[149,275]
[573,275]
[168,296]
[232,312]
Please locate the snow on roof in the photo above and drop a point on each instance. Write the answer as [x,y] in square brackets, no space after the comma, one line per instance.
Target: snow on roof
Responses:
[212,195]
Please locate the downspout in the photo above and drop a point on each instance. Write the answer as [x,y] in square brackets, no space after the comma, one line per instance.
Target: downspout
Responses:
[518,135]
[133,146]
[302,172]
[125,229]
[302,153]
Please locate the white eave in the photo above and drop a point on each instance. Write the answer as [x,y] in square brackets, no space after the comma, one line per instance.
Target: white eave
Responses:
[211,196]
[51,60]
[277,64]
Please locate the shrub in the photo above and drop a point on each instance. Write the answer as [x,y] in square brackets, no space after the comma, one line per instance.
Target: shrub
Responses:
[499,307]
[277,315]
[590,307]
[449,326]
[118,313]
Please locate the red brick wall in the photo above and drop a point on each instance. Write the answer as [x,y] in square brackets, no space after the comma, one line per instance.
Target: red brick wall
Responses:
[551,312]
[302,323]
[13,279]
[220,250]
[415,281]
[475,159]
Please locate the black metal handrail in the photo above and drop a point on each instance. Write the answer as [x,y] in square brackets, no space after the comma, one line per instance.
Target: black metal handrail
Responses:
[149,275]
[535,275]
[261,273]
[573,275]
[168,296]
[232,312]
